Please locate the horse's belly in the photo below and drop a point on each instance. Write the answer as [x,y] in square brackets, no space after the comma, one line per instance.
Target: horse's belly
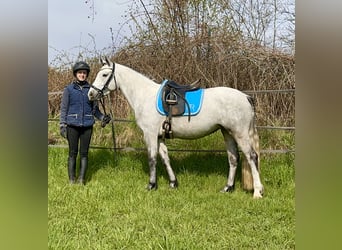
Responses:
[192,131]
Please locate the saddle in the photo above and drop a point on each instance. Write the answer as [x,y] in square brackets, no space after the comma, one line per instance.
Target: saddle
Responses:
[174,101]
[173,97]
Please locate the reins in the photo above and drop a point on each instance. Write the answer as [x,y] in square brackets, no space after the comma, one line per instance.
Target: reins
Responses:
[101,96]
[101,99]
[112,117]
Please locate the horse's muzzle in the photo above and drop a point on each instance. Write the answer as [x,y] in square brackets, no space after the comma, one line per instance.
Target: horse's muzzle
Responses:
[94,95]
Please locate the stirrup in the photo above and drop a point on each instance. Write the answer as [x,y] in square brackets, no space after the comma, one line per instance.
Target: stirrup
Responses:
[171,98]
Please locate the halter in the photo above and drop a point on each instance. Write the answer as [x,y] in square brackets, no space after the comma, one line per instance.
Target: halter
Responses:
[105,87]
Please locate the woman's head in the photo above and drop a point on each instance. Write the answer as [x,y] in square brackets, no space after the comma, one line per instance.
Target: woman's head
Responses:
[81,70]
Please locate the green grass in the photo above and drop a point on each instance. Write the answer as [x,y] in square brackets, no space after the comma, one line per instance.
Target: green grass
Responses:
[115,211]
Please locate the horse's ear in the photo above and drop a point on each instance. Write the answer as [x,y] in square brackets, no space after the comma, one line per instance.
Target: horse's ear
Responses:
[103,61]
[107,61]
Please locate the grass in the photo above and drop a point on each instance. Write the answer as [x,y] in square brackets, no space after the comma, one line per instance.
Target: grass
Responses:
[115,211]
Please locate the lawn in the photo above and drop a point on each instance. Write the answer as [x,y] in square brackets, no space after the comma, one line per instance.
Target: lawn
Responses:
[115,211]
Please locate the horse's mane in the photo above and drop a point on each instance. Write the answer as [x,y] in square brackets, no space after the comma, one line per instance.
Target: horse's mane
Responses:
[138,74]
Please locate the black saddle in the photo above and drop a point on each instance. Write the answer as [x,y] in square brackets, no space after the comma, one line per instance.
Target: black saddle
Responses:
[173,97]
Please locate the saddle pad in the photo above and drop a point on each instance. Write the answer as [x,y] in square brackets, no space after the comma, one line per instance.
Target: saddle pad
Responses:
[194,99]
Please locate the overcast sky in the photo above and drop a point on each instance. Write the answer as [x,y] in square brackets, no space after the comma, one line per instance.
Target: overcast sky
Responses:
[69,26]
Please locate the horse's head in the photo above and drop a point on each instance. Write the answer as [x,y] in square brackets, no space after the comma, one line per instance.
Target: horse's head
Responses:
[104,82]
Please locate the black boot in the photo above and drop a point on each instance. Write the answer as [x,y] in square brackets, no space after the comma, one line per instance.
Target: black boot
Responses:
[83,170]
[72,169]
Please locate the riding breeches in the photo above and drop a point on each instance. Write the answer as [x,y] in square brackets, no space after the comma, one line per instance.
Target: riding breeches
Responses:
[76,136]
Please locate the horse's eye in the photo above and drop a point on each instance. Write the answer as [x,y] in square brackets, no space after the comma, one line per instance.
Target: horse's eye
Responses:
[105,75]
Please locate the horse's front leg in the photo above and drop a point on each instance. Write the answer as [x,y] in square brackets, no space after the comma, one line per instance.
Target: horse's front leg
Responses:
[152,150]
[164,155]
[152,161]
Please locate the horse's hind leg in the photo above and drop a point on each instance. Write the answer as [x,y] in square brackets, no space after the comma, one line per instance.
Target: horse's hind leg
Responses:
[163,152]
[233,159]
[253,161]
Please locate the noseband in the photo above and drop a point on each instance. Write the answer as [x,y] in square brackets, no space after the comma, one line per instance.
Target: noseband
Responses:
[105,87]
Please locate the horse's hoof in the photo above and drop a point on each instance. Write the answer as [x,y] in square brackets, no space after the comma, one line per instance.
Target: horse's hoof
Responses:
[258,194]
[151,186]
[228,189]
[173,184]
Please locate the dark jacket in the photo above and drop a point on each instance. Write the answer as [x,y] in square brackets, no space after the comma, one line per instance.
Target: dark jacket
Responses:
[76,109]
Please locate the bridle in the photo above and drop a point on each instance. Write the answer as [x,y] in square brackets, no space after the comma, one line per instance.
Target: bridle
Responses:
[100,92]
[100,96]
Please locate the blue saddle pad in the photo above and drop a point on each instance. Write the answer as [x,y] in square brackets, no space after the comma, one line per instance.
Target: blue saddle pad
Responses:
[194,98]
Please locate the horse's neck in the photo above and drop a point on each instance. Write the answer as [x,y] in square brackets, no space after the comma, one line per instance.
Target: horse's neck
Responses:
[134,85]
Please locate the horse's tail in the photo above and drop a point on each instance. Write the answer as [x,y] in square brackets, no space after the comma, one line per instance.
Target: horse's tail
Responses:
[253,134]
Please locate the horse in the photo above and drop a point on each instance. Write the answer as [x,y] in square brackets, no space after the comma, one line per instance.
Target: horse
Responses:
[223,108]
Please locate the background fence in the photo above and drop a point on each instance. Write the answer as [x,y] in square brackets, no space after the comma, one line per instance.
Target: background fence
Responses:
[51,143]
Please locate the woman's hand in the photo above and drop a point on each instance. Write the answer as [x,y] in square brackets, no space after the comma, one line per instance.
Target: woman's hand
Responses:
[63,130]
[105,120]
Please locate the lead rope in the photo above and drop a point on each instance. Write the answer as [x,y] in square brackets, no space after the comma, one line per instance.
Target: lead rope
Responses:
[112,120]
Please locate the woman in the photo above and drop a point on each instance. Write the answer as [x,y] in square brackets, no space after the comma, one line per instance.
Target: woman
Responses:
[77,120]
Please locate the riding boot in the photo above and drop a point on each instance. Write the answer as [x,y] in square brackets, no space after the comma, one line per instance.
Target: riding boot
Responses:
[83,170]
[72,169]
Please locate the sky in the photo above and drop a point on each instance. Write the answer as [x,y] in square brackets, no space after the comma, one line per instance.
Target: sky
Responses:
[72,27]
[69,26]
